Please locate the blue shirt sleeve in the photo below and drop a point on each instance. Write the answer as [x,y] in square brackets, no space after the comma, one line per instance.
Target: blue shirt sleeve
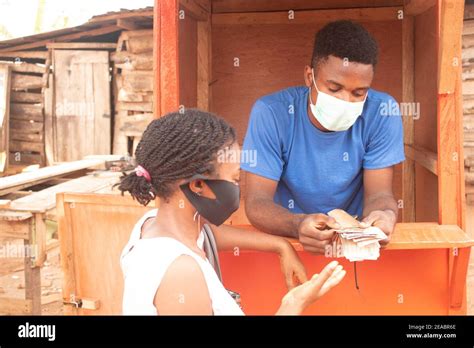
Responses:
[385,146]
[263,140]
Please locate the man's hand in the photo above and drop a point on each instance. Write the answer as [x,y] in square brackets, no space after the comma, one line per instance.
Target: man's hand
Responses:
[315,232]
[383,219]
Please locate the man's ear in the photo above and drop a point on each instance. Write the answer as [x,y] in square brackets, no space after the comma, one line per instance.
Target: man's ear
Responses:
[308,78]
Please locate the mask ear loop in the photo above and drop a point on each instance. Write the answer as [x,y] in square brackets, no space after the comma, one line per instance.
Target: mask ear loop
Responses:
[314,83]
[198,217]
[196,214]
[314,80]
[199,224]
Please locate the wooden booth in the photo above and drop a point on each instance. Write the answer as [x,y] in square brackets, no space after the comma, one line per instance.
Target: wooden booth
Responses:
[222,55]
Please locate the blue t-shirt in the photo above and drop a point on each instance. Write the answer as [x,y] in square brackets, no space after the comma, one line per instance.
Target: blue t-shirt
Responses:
[319,171]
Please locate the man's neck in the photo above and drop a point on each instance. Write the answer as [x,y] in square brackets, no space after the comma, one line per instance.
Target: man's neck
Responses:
[314,121]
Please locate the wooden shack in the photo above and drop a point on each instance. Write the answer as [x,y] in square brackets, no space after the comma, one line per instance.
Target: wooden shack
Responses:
[221,55]
[84,90]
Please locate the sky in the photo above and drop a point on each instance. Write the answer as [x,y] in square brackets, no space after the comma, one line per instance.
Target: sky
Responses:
[22,17]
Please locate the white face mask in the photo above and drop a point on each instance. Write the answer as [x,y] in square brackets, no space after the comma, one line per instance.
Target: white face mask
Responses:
[333,113]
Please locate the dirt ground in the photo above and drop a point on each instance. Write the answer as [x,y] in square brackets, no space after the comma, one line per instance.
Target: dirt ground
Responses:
[13,285]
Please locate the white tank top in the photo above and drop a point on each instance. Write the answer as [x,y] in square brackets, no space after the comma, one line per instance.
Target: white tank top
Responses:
[144,262]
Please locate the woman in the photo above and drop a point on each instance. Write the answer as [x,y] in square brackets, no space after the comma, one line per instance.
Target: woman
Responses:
[190,161]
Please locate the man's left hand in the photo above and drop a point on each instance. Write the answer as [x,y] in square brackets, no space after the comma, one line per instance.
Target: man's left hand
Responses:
[383,219]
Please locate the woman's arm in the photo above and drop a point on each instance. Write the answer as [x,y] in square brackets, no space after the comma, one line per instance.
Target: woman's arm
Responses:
[229,238]
[183,290]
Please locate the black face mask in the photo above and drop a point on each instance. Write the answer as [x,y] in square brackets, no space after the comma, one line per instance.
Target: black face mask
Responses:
[217,210]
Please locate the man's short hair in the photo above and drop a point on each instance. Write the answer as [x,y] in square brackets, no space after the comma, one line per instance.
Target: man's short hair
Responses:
[344,39]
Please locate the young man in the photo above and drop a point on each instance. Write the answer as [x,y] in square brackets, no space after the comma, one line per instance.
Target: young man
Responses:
[328,145]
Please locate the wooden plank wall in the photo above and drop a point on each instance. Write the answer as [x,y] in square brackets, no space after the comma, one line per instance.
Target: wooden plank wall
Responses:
[84,222]
[29,78]
[187,40]
[272,57]
[133,88]
[425,127]
[82,116]
[468,99]
[468,123]
[4,116]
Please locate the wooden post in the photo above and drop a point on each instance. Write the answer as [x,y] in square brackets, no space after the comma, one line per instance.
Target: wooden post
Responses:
[32,273]
[408,95]
[40,238]
[156,60]
[4,116]
[67,257]
[204,64]
[450,142]
[168,66]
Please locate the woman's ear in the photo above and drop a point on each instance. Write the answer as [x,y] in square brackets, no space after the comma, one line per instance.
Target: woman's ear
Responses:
[196,186]
[200,188]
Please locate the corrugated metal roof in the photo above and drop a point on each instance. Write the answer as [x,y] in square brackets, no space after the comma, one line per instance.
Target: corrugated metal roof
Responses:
[108,19]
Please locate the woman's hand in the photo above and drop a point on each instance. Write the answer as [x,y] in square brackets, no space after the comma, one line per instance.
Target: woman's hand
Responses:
[297,299]
[291,266]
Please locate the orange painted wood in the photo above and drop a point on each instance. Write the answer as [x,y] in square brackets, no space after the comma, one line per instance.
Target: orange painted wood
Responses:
[415,235]
[400,282]
[459,258]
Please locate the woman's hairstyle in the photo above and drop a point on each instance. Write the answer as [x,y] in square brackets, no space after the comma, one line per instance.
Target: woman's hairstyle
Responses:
[176,146]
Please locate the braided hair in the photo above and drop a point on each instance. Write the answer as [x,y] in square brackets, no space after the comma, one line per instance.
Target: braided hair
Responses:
[176,146]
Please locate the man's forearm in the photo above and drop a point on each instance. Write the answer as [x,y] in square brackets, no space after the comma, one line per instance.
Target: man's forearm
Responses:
[382,202]
[272,218]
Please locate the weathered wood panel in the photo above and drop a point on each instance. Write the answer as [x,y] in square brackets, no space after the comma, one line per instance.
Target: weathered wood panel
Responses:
[82,104]
[4,115]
